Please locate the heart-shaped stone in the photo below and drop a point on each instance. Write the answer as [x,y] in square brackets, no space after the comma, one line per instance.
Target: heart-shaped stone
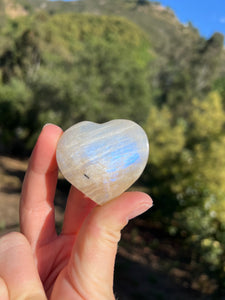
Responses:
[103,160]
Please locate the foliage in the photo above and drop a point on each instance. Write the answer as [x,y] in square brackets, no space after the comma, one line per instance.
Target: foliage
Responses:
[15,99]
[77,67]
[188,165]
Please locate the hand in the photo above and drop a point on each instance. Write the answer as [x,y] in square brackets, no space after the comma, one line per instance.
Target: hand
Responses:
[78,263]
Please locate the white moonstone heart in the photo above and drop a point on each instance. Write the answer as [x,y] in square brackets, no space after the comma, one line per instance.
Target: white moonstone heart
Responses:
[103,160]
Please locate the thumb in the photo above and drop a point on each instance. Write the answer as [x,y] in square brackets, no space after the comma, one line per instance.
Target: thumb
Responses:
[18,274]
[92,261]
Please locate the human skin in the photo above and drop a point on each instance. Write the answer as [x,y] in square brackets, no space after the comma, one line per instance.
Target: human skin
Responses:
[38,264]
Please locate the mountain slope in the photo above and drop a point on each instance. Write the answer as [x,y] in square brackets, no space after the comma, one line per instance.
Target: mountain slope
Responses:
[187,63]
[160,23]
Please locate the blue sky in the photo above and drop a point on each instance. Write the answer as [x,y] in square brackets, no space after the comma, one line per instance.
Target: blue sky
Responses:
[206,15]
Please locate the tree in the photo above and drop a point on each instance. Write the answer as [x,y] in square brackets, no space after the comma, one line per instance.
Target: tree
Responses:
[23,59]
[15,102]
[142,2]
[79,67]
[186,175]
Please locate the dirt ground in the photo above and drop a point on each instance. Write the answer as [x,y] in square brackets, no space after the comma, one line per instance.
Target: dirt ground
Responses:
[143,270]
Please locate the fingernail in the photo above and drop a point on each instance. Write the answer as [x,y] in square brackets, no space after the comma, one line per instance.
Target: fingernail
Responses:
[140,210]
[47,124]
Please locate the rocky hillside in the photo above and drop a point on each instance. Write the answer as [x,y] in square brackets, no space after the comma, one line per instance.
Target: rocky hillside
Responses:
[160,22]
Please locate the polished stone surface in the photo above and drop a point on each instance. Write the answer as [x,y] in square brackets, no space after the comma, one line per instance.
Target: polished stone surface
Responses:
[103,160]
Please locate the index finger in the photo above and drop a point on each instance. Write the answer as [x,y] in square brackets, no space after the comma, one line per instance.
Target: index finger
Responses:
[37,218]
